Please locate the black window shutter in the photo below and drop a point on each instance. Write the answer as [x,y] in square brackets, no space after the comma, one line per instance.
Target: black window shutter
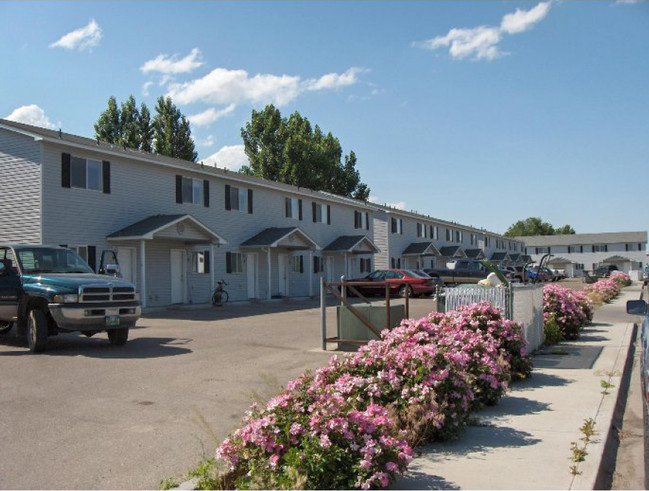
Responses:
[206,193]
[92,257]
[228,262]
[299,209]
[313,211]
[206,260]
[63,245]
[179,189]
[356,219]
[367,221]
[315,264]
[249,200]
[287,207]
[65,170]
[227,197]
[301,264]
[105,172]
[328,214]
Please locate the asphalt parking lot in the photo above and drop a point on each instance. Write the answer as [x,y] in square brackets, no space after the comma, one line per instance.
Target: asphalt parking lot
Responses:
[88,415]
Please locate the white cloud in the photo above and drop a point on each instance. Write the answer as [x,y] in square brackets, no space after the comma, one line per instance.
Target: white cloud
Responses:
[145,88]
[223,86]
[335,80]
[84,38]
[481,43]
[400,205]
[522,20]
[210,115]
[169,65]
[33,115]
[231,157]
[208,142]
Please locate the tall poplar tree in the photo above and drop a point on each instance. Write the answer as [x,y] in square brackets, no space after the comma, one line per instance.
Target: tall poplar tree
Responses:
[107,127]
[293,152]
[172,135]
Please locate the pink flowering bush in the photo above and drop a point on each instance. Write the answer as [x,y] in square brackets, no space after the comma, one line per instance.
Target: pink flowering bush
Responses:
[352,423]
[571,310]
[621,278]
[603,290]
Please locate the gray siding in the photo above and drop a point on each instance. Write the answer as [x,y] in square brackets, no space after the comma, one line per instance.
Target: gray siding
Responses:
[20,196]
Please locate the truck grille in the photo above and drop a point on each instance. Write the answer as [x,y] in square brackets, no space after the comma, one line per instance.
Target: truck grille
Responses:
[89,294]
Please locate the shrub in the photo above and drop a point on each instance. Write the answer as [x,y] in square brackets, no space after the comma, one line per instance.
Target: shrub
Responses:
[552,331]
[606,289]
[352,423]
[621,278]
[569,309]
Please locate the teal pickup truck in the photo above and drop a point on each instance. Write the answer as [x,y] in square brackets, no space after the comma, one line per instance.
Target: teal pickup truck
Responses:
[45,290]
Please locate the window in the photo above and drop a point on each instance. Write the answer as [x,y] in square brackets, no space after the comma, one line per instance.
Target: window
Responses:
[293,208]
[82,173]
[233,262]
[321,213]
[238,198]
[542,250]
[366,265]
[449,235]
[395,263]
[486,241]
[434,232]
[298,264]
[396,225]
[579,266]
[190,190]
[422,230]
[472,239]
[318,264]
[201,262]
[458,236]
[600,248]
[578,248]
[362,220]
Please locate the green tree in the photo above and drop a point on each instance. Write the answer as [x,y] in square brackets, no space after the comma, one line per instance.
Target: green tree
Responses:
[145,129]
[128,124]
[107,127]
[292,151]
[536,226]
[172,135]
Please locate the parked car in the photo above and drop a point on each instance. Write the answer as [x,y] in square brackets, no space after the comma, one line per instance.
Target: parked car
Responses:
[460,271]
[559,274]
[605,270]
[510,274]
[415,282]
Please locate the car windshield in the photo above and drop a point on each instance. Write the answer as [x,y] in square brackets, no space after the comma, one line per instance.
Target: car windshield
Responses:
[44,260]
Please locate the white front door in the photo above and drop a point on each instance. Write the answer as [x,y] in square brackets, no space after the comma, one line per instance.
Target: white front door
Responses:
[126,259]
[329,269]
[178,282]
[252,271]
[282,271]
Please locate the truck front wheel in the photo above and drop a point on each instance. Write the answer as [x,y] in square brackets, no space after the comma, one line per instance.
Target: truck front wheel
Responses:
[118,337]
[37,330]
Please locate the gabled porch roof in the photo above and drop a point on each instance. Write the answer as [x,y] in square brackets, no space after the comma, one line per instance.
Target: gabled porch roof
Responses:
[499,256]
[173,227]
[352,244]
[475,253]
[616,259]
[421,249]
[452,251]
[291,238]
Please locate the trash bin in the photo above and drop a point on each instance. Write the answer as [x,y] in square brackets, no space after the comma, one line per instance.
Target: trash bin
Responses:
[351,327]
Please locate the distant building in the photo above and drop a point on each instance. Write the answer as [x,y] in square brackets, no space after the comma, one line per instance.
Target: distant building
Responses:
[577,252]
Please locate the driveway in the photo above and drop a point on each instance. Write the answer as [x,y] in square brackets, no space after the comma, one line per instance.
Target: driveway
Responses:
[86,414]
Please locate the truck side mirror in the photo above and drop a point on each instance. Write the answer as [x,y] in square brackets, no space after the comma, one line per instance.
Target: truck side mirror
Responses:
[636,307]
[111,270]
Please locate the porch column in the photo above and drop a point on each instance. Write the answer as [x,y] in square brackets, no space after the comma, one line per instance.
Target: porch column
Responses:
[212,272]
[346,266]
[310,267]
[143,299]
[269,272]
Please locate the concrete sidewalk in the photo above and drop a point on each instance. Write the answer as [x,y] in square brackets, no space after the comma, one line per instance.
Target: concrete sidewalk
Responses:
[525,441]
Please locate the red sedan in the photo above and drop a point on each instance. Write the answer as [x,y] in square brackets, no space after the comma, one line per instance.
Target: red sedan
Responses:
[400,280]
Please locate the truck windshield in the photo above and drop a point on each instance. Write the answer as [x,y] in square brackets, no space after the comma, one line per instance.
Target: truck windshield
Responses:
[44,260]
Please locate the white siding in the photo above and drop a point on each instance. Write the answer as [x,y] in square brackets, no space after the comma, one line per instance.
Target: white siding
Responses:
[20,193]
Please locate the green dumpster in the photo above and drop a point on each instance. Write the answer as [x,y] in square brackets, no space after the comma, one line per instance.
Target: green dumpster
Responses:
[352,328]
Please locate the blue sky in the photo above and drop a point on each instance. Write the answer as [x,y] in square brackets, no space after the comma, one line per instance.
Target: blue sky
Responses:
[482,113]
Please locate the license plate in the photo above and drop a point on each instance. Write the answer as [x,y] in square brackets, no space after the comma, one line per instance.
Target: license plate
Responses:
[112,320]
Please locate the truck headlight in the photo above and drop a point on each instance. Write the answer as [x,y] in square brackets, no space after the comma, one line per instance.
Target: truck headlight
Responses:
[67,298]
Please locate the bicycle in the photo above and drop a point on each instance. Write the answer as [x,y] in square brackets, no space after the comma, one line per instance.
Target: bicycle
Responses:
[220,296]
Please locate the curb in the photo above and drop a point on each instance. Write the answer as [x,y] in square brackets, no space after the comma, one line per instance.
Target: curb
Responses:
[602,451]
